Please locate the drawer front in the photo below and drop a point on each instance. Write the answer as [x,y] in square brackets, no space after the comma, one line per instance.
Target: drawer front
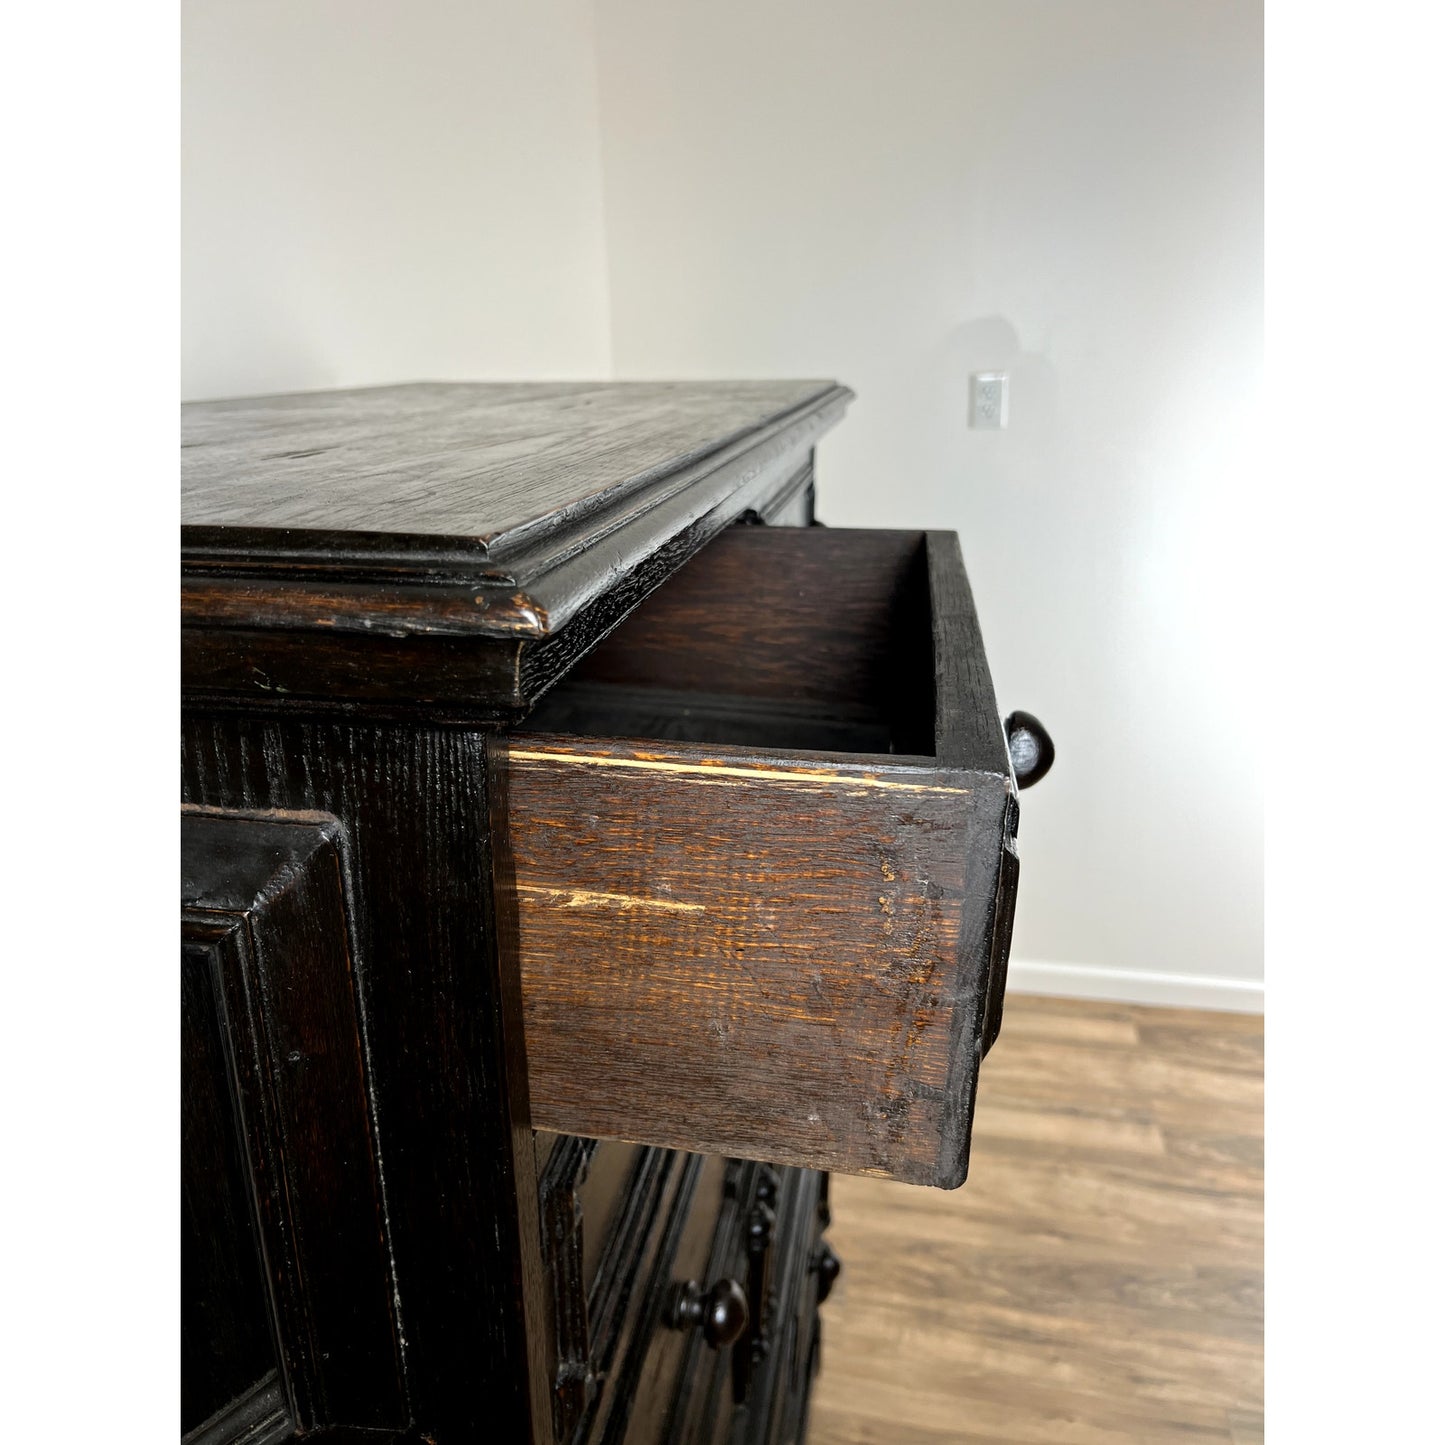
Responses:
[604,1207]
[649,1376]
[784,1357]
[630,1366]
[750,859]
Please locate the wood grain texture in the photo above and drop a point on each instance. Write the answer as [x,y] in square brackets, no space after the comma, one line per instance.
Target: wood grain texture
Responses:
[779,955]
[783,1376]
[227,1345]
[442,1029]
[477,539]
[748,956]
[264,914]
[372,583]
[258,1416]
[1101,1279]
[825,614]
[648,1371]
[473,466]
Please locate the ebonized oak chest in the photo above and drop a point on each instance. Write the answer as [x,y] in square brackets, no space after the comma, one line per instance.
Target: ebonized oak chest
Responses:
[582,853]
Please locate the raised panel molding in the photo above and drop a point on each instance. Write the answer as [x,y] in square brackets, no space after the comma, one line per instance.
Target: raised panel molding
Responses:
[265,925]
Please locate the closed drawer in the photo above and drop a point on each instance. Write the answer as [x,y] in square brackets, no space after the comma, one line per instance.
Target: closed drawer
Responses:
[754,859]
[628,1233]
[784,1358]
[700,1229]
[603,1207]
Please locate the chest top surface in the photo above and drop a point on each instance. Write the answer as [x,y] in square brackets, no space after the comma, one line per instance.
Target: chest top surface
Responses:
[475,467]
[462,509]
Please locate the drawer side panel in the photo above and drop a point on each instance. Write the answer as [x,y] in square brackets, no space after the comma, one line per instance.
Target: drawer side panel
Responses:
[760,958]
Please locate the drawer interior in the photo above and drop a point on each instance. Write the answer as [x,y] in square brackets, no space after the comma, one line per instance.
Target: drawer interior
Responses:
[771,637]
[748,861]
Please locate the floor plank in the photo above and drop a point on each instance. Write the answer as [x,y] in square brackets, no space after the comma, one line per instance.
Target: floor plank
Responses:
[1099,1279]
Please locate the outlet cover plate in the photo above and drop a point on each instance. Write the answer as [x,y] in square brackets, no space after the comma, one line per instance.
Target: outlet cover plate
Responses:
[988,400]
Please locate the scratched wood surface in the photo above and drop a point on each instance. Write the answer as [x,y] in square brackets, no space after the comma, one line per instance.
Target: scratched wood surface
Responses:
[472,462]
[444,1058]
[267,974]
[1100,1281]
[741,956]
[773,953]
[450,550]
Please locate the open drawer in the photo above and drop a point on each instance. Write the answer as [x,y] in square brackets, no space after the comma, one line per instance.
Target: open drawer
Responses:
[754,858]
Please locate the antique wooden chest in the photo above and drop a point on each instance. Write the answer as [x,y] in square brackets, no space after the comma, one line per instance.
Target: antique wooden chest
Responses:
[582,853]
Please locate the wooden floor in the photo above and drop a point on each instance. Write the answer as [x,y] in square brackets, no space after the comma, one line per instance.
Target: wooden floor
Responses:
[1100,1276]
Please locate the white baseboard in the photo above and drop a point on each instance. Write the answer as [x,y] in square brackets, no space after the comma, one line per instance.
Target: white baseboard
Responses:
[1127,985]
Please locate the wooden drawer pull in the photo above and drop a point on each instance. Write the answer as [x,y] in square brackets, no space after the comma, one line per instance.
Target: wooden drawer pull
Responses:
[828,1267]
[1030,748]
[722,1311]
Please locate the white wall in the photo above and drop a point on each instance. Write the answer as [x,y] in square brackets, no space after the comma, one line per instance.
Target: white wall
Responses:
[376,192]
[897,194]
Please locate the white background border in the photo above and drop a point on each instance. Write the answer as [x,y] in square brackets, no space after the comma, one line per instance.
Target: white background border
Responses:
[1351,723]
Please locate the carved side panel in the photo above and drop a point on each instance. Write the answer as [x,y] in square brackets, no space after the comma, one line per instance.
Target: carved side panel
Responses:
[287,1321]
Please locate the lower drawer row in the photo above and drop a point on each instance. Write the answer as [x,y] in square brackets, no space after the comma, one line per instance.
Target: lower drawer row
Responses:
[684,1294]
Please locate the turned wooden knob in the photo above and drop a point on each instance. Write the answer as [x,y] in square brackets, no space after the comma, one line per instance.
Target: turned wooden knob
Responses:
[1030,748]
[829,1267]
[722,1311]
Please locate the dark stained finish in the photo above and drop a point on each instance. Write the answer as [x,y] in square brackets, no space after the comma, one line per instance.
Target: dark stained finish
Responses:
[570,1270]
[443,1023]
[754,950]
[673,1279]
[721,1313]
[829,626]
[286,1281]
[784,1365]
[226,1343]
[473,468]
[260,1415]
[746,873]
[647,1370]
[416,546]
[1030,747]
[444,1044]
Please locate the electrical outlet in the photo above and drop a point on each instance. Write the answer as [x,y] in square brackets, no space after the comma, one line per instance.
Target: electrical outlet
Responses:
[988,400]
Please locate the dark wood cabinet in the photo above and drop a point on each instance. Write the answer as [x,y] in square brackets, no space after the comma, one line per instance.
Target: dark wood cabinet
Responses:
[581,853]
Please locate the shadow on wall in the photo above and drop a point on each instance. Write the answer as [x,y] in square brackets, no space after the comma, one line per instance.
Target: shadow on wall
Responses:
[991,344]
[1000,488]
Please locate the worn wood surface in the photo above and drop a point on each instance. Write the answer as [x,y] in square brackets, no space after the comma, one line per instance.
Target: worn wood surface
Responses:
[648,1372]
[415,546]
[227,1349]
[444,1045]
[743,955]
[361,608]
[776,954]
[1100,1281]
[279,1172]
[827,619]
[470,467]
[657,1224]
